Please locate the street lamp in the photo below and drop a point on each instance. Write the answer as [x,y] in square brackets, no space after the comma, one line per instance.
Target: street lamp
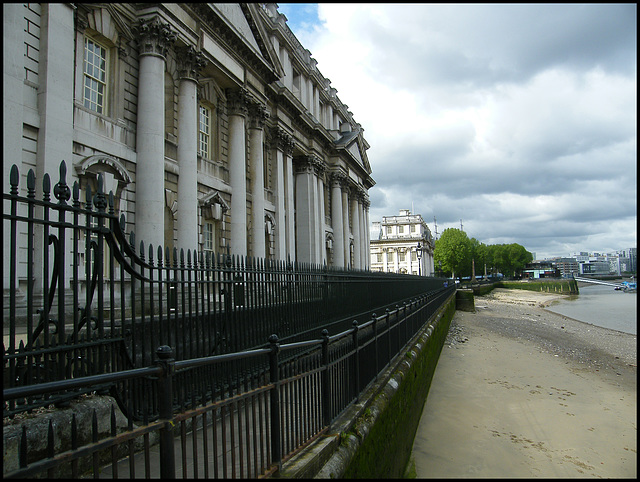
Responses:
[419,255]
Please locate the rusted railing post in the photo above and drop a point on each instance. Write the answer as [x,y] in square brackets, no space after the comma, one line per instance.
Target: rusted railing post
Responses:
[326,380]
[274,400]
[165,409]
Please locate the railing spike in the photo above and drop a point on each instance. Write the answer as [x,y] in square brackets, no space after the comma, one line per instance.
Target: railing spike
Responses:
[14,178]
[31,184]
[46,187]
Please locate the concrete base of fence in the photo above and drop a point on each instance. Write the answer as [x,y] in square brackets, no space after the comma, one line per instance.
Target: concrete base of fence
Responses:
[370,439]
[37,425]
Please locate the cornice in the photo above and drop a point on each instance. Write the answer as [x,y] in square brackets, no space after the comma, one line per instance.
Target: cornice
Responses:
[216,26]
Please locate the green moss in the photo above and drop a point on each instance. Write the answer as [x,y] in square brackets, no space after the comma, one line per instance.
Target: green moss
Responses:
[565,286]
[385,452]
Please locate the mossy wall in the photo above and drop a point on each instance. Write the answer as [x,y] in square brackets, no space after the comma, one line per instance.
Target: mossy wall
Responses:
[565,286]
[386,450]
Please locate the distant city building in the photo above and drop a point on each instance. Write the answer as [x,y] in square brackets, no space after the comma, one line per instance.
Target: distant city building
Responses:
[402,244]
[540,269]
[595,268]
[567,267]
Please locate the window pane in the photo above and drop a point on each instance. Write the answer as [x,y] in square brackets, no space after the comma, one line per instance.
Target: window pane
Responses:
[95,66]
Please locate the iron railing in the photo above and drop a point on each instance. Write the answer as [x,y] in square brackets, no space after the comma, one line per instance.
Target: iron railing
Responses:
[84,300]
[245,432]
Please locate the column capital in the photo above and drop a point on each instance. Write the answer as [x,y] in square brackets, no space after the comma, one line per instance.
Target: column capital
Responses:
[190,62]
[282,140]
[257,115]
[310,163]
[338,179]
[303,164]
[154,37]
[237,102]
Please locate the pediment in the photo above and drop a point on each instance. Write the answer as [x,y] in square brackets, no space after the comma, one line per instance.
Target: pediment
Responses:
[353,144]
[246,22]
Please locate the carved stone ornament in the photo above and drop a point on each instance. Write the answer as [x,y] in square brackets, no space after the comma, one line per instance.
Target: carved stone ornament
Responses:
[190,62]
[237,102]
[258,114]
[283,140]
[154,37]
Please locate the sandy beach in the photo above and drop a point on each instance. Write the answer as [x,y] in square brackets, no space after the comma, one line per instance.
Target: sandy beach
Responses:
[520,391]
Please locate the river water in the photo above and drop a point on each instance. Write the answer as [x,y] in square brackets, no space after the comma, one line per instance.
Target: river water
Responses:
[602,306]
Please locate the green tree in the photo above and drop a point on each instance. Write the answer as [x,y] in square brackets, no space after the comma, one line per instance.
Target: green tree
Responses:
[453,253]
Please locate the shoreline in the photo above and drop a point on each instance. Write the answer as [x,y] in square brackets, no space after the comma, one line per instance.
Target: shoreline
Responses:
[520,391]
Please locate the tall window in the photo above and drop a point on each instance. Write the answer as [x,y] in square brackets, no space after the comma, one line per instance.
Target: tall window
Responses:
[95,76]
[204,132]
[209,236]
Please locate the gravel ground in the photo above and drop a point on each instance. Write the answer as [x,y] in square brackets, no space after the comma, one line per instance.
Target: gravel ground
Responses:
[521,314]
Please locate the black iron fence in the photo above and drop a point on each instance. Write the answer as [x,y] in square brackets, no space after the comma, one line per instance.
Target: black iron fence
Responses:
[84,300]
[244,432]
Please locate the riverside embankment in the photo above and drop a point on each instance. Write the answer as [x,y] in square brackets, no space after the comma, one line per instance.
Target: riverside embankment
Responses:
[520,391]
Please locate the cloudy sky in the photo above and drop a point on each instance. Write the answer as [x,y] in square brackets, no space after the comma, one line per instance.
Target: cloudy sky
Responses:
[520,120]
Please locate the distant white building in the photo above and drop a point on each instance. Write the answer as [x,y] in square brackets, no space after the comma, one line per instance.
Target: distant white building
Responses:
[402,244]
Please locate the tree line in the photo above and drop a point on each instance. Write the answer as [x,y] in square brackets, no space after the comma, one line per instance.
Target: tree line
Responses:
[455,255]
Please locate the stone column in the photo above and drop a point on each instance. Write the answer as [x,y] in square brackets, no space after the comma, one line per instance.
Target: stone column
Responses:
[345,221]
[190,62]
[321,251]
[283,145]
[13,50]
[154,38]
[367,233]
[290,207]
[237,104]
[355,228]
[258,115]
[306,238]
[55,91]
[363,236]
[336,220]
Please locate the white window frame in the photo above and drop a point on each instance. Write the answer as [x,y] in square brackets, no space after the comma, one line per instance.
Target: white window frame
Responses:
[95,77]
[204,135]
[209,236]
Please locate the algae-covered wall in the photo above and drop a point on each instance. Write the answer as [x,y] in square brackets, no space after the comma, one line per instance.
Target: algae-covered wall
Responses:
[386,449]
[564,286]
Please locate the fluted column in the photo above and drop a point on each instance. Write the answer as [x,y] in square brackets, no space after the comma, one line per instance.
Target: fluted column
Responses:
[284,145]
[336,220]
[306,238]
[237,105]
[290,208]
[355,228]
[321,252]
[256,135]
[345,224]
[363,236]
[367,233]
[155,38]
[190,62]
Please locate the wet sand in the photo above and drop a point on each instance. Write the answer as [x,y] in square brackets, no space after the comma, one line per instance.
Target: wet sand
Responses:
[523,392]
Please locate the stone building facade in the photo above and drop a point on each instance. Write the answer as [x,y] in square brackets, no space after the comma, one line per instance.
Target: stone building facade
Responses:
[210,123]
[402,244]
